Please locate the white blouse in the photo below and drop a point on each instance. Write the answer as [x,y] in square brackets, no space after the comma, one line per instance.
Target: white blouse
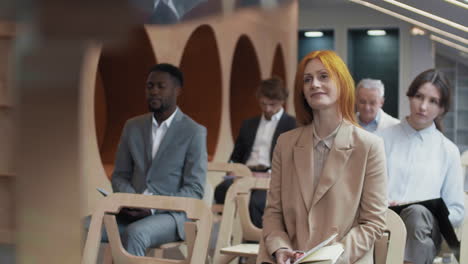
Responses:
[423,165]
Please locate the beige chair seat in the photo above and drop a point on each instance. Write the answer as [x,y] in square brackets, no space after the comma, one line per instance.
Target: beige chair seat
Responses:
[243,250]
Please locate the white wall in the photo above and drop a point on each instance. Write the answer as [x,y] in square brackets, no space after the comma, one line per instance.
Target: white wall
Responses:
[416,53]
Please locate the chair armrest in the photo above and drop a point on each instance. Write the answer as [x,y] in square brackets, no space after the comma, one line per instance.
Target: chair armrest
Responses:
[249,231]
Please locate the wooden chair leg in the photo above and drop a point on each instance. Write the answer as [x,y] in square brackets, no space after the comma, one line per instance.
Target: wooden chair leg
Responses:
[158,253]
[251,260]
[107,255]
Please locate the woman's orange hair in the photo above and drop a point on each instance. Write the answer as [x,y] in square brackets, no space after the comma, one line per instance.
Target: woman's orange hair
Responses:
[339,74]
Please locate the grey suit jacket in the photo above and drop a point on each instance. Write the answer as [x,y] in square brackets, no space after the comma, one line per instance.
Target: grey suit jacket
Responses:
[178,169]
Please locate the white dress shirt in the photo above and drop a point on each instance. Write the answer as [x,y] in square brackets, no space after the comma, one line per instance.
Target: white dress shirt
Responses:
[159,131]
[423,165]
[260,154]
[157,134]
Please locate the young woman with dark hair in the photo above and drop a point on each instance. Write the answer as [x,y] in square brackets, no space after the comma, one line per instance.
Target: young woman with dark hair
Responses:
[423,164]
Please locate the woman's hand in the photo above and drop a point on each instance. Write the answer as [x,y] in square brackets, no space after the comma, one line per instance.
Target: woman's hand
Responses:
[283,255]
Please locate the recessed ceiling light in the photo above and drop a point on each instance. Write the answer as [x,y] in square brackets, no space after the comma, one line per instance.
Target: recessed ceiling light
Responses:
[412,21]
[429,15]
[376,32]
[313,34]
[415,31]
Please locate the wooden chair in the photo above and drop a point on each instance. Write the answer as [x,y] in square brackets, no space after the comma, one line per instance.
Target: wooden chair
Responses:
[464,230]
[181,245]
[464,162]
[460,231]
[237,169]
[464,235]
[198,232]
[236,203]
[390,249]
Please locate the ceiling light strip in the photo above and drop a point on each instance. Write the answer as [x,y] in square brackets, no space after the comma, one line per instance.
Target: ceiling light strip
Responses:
[429,15]
[449,43]
[412,21]
[313,34]
[376,32]
[458,3]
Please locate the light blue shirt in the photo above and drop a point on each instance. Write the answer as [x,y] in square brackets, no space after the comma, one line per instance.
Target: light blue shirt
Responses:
[423,165]
[371,126]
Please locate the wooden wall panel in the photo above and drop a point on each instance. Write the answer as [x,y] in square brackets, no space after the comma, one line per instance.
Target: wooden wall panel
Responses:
[123,71]
[202,92]
[245,77]
[223,59]
[279,69]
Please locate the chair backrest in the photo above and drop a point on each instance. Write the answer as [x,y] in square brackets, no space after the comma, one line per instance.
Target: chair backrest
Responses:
[195,210]
[464,158]
[208,194]
[390,248]
[464,163]
[464,237]
[237,200]
[237,169]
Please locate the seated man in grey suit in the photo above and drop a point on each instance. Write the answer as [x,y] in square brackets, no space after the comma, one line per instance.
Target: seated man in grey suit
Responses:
[160,153]
[257,139]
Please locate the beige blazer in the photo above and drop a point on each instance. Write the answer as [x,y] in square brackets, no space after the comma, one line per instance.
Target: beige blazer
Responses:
[351,196]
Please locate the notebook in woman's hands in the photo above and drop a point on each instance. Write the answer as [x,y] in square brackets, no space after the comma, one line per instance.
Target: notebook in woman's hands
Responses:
[322,254]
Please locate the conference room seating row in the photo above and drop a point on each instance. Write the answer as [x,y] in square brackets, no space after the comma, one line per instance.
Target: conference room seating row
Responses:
[237,236]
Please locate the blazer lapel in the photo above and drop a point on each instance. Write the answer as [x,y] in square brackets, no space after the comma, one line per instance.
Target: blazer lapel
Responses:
[148,140]
[253,132]
[279,127]
[303,156]
[336,161]
[250,138]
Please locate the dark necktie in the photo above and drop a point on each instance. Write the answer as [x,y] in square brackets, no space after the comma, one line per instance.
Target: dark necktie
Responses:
[163,14]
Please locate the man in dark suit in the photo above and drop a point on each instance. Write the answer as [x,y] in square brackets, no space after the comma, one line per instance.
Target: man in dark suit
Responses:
[160,153]
[257,139]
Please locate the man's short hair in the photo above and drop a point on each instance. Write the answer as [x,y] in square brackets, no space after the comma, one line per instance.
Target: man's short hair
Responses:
[273,88]
[372,84]
[175,72]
